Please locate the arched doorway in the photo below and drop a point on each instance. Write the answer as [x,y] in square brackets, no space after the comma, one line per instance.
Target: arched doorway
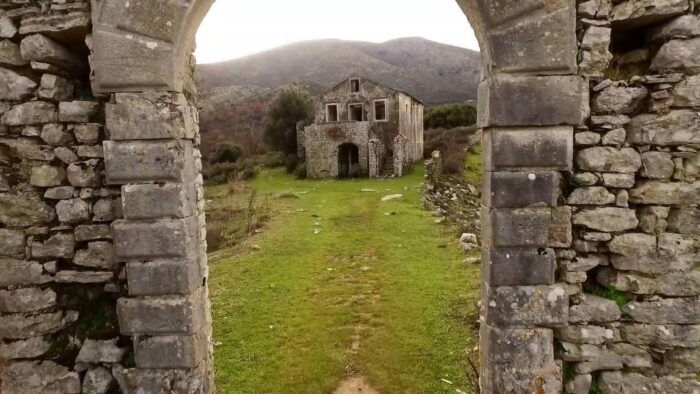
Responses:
[348,160]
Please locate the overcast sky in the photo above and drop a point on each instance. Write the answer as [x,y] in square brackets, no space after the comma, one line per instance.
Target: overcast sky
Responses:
[236,28]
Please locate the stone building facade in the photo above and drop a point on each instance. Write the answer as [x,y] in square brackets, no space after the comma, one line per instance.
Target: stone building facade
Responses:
[590,113]
[362,128]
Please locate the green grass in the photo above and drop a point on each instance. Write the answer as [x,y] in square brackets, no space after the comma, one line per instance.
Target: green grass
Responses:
[473,167]
[611,293]
[380,291]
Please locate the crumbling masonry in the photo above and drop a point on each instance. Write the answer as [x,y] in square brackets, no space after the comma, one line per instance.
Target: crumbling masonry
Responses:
[591,118]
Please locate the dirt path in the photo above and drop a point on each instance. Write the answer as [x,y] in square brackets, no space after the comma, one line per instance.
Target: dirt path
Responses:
[355,385]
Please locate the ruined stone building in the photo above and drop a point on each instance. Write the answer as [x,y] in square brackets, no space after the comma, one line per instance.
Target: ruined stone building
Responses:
[363,128]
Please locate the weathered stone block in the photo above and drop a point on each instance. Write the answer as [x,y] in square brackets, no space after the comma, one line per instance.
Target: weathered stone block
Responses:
[77,111]
[662,193]
[685,25]
[55,88]
[68,276]
[148,161]
[596,195]
[74,210]
[12,242]
[166,315]
[99,254]
[87,133]
[40,48]
[531,347]
[533,101]
[527,148]
[680,55]
[634,383]
[632,356]
[595,53]
[653,255]
[551,42]
[153,201]
[661,336]
[518,267]
[149,116]
[30,299]
[671,310]
[57,246]
[605,360]
[15,87]
[607,159]
[92,232]
[520,227]
[674,284]
[173,351]
[152,380]
[102,351]
[619,181]
[636,13]
[28,326]
[29,348]
[55,134]
[678,127]
[683,360]
[84,174]
[606,219]
[534,189]
[560,229]
[163,277]
[594,335]
[31,113]
[657,165]
[592,308]
[684,221]
[687,92]
[617,99]
[20,272]
[528,305]
[98,380]
[39,377]
[153,239]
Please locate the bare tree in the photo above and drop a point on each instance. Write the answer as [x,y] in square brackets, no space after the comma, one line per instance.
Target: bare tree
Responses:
[253,137]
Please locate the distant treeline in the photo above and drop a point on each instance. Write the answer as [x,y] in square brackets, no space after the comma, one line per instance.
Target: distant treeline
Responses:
[449,116]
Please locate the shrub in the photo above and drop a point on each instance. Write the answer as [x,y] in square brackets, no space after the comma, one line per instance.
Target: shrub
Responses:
[249,171]
[450,116]
[290,163]
[216,233]
[300,171]
[271,159]
[226,153]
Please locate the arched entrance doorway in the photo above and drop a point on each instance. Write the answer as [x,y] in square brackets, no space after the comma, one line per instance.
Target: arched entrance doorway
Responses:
[348,160]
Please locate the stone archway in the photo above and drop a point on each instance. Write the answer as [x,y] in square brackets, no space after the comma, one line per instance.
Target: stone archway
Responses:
[535,73]
[562,206]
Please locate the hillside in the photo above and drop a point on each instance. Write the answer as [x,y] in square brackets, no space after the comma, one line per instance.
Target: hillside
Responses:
[434,72]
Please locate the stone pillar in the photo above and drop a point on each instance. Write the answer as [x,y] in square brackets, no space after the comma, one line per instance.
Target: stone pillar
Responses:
[152,154]
[530,99]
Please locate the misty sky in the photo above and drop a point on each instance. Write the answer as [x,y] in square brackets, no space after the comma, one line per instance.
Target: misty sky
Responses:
[236,28]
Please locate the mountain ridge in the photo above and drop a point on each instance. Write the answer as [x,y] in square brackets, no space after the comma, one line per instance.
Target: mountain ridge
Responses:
[435,73]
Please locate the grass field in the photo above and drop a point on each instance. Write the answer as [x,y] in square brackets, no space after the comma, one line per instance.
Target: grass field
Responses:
[340,284]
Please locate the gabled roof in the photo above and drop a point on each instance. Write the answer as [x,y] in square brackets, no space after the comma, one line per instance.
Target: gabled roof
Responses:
[354,76]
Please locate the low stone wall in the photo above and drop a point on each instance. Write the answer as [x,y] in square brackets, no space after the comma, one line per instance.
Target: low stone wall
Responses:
[451,198]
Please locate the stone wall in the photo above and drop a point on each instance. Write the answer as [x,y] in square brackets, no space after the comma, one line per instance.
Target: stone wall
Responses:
[102,241]
[322,141]
[450,197]
[59,279]
[634,314]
